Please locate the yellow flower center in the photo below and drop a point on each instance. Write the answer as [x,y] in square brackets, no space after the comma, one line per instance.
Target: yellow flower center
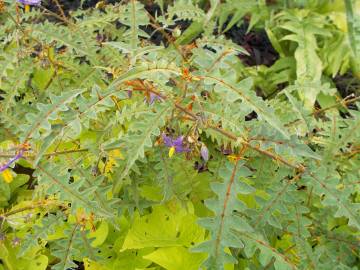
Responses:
[171,151]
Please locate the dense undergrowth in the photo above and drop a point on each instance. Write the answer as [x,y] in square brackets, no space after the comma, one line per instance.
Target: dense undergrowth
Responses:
[180,135]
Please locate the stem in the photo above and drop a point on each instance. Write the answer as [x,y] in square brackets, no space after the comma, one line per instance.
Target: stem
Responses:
[60,9]
[343,103]
[166,35]
[222,215]
[36,205]
[194,117]
[87,245]
[18,156]
[350,25]
[65,152]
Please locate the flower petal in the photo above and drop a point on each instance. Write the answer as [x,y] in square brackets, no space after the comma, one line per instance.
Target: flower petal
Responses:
[153,97]
[178,141]
[30,2]
[167,140]
[181,148]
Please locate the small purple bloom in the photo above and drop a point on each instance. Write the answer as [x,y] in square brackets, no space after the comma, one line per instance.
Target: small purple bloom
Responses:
[16,241]
[18,156]
[226,150]
[204,152]
[30,2]
[176,145]
[153,97]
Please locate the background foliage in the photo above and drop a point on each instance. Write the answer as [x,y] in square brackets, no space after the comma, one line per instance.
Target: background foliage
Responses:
[266,176]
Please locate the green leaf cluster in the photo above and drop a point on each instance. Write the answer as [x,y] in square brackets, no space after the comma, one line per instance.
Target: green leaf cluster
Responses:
[179,156]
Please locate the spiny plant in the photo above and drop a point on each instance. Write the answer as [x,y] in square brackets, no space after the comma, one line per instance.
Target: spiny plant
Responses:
[117,153]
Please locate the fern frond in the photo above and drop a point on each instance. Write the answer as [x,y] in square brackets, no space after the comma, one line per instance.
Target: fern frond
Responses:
[227,209]
[47,112]
[134,16]
[233,91]
[77,193]
[140,137]
[185,10]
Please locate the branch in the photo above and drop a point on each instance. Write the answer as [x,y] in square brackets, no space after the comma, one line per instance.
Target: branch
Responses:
[273,156]
[33,206]
[57,153]
[222,216]
[228,134]
[343,103]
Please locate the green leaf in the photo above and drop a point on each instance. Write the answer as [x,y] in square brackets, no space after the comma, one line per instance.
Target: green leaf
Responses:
[100,234]
[132,259]
[134,16]
[5,191]
[42,77]
[141,138]
[226,219]
[46,112]
[18,181]
[176,258]
[40,262]
[234,91]
[163,228]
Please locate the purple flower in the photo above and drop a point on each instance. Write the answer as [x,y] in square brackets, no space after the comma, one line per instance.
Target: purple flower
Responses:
[176,145]
[204,152]
[18,156]
[2,237]
[16,241]
[30,2]
[153,97]
[226,150]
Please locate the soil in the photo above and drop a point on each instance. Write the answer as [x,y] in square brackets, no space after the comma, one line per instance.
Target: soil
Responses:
[348,85]
[69,5]
[156,36]
[256,42]
[18,169]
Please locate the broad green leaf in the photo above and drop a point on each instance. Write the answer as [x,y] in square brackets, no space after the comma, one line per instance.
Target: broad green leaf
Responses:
[163,228]
[100,234]
[42,77]
[176,258]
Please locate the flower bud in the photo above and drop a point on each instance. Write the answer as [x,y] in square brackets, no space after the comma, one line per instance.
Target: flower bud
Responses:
[176,32]
[204,152]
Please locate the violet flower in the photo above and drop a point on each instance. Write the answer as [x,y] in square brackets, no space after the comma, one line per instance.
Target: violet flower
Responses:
[16,241]
[153,97]
[11,161]
[30,2]
[176,145]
